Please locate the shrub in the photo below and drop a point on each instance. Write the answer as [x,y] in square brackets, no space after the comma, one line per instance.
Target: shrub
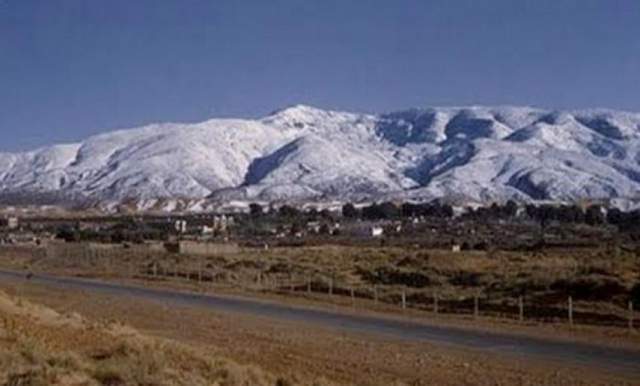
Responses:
[466,279]
[635,294]
[393,276]
[593,287]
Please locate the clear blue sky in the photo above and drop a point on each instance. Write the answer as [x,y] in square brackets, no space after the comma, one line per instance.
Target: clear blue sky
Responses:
[72,68]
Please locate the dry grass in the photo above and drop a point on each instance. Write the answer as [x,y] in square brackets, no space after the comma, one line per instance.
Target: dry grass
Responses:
[304,353]
[598,281]
[41,347]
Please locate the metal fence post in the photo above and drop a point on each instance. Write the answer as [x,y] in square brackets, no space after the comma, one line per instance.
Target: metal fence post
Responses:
[570,311]
[375,295]
[435,302]
[476,306]
[353,298]
[404,298]
[521,308]
[330,286]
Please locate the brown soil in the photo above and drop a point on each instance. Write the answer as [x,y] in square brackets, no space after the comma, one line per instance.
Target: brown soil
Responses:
[39,346]
[302,354]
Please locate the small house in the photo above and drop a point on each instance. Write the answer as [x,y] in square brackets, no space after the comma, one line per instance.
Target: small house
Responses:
[377,231]
[180,226]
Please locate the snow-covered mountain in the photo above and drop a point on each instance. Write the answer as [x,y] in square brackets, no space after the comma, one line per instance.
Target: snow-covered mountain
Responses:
[304,153]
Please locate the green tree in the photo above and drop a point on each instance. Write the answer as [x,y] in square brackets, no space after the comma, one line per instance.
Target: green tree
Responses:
[350,211]
[255,210]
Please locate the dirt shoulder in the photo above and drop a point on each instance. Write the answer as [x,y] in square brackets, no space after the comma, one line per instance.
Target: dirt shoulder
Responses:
[40,346]
[559,331]
[542,281]
[304,353]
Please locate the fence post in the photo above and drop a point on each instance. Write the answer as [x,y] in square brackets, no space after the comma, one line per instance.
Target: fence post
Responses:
[155,269]
[570,311]
[476,306]
[375,295]
[404,298]
[353,298]
[309,285]
[435,302]
[631,315]
[521,308]
[330,286]
[199,271]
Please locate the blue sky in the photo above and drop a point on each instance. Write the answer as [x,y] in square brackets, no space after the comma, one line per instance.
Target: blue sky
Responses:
[72,68]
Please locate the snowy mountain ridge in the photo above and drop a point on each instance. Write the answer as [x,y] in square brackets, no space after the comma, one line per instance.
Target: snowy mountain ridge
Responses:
[474,153]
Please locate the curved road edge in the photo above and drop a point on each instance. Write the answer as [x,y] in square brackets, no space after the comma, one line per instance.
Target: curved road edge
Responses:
[613,360]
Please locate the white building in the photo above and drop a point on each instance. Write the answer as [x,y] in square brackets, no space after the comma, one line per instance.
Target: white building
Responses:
[222,222]
[181,226]
[13,223]
[376,231]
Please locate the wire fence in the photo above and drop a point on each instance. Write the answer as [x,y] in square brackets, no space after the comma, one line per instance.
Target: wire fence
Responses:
[332,290]
[202,275]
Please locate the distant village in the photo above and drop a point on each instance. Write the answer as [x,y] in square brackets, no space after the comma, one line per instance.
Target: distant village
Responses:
[431,225]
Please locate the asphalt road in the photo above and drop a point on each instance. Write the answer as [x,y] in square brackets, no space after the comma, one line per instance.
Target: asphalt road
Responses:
[607,359]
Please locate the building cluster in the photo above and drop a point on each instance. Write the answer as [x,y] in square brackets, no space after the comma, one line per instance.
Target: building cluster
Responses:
[11,232]
[10,223]
[219,224]
[181,226]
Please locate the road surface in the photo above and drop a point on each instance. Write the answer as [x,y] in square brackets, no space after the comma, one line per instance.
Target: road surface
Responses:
[608,359]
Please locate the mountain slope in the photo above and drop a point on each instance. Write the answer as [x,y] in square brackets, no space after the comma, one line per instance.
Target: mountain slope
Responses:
[469,153]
